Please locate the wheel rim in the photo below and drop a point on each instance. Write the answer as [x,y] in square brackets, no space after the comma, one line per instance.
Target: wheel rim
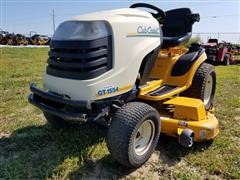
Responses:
[208,89]
[144,137]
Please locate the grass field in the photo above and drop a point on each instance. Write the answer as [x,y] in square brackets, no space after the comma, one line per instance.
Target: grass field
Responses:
[31,149]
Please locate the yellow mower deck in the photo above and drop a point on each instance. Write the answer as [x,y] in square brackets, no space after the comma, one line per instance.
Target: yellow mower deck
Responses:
[189,113]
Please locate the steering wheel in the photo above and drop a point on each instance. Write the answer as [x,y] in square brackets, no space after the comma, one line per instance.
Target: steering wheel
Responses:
[160,15]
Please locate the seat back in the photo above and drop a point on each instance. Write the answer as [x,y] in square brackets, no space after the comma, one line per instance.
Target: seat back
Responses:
[177,27]
[179,22]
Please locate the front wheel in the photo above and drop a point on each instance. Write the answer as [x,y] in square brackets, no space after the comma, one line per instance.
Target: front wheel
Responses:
[133,134]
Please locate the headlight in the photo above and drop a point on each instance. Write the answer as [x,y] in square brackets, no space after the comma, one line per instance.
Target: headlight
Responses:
[82,30]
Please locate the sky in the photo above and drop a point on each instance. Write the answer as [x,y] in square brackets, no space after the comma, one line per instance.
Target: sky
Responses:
[219,19]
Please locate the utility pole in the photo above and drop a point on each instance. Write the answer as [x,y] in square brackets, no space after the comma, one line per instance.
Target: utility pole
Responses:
[53,20]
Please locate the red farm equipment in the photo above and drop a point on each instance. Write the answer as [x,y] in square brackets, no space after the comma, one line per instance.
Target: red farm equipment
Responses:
[218,53]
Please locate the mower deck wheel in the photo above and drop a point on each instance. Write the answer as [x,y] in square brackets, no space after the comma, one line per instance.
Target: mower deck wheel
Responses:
[133,134]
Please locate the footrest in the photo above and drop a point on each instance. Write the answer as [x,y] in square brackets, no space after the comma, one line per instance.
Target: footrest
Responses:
[163,90]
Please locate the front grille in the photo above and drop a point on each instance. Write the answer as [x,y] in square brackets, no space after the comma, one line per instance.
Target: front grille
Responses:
[80,59]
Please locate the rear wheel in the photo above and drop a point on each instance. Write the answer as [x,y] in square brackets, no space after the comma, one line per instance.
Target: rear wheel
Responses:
[133,134]
[56,121]
[203,85]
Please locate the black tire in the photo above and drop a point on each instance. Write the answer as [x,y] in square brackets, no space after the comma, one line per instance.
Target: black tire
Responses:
[56,121]
[226,60]
[197,89]
[124,129]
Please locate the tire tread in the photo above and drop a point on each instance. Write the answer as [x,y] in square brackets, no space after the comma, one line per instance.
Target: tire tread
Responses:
[121,129]
[196,90]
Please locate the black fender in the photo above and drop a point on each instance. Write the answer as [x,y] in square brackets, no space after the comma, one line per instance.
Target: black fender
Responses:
[186,61]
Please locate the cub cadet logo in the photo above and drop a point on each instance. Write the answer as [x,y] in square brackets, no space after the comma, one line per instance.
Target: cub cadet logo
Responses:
[107,91]
[148,30]
[145,31]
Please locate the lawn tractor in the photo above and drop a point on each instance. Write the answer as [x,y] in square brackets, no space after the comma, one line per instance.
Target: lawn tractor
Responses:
[127,67]
[3,34]
[217,53]
[7,38]
[234,52]
[21,39]
[11,39]
[37,39]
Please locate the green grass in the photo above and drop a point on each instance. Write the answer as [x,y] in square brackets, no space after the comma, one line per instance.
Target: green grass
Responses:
[31,149]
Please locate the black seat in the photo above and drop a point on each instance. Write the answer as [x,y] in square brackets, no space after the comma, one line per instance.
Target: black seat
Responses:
[177,28]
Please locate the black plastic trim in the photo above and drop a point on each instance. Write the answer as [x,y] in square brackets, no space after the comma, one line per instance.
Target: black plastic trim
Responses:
[147,65]
[77,65]
[96,53]
[55,111]
[73,109]
[76,75]
[185,62]
[80,60]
